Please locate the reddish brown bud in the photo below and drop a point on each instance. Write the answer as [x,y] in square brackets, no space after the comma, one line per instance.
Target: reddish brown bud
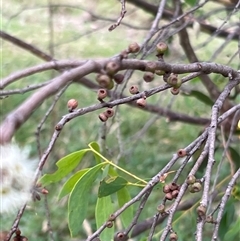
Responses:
[109,112]
[169,196]
[175,193]
[133,89]
[102,93]
[148,76]
[166,188]
[173,186]
[103,117]
[44,191]
[161,48]
[133,48]
[182,152]
[118,78]
[141,102]
[72,104]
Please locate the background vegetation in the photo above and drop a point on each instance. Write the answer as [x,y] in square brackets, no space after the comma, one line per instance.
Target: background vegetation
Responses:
[141,141]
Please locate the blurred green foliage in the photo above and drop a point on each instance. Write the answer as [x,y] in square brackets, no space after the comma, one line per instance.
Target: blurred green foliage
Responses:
[77,35]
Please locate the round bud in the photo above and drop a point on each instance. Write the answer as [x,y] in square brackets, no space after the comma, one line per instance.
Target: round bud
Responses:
[173,80]
[72,104]
[161,208]
[103,80]
[120,236]
[112,67]
[174,91]
[175,193]
[169,196]
[133,48]
[182,152]
[109,112]
[201,211]
[134,89]
[141,102]
[166,188]
[173,186]
[103,117]
[44,191]
[118,78]
[173,237]
[191,179]
[161,48]
[109,224]
[112,217]
[102,93]
[148,77]
[196,187]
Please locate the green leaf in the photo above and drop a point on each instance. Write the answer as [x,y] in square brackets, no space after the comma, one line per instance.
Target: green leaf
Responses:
[235,157]
[78,199]
[233,231]
[65,166]
[202,97]
[69,184]
[191,2]
[227,219]
[96,147]
[104,209]
[111,186]
[123,197]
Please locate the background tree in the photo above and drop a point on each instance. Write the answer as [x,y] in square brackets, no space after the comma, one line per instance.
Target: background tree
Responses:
[164,142]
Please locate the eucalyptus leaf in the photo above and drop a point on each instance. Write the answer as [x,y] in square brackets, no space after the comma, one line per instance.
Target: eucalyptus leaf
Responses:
[104,208]
[65,166]
[78,199]
[111,186]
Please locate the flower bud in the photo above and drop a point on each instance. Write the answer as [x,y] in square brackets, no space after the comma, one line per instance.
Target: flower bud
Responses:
[148,77]
[166,188]
[161,208]
[141,102]
[182,152]
[201,211]
[133,89]
[174,91]
[169,196]
[109,112]
[133,48]
[102,93]
[109,224]
[173,237]
[118,78]
[161,48]
[175,193]
[72,104]
[103,117]
[191,179]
